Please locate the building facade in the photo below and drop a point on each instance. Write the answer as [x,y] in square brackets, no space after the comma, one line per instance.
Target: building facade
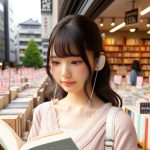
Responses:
[2,33]
[49,17]
[10,53]
[28,30]
[46,25]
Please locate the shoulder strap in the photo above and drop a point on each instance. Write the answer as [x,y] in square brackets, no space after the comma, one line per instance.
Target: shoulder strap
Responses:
[110,128]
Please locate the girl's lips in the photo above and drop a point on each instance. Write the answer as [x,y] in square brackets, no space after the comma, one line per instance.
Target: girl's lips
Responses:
[67,83]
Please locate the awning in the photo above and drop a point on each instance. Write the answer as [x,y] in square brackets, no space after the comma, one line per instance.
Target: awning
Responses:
[89,8]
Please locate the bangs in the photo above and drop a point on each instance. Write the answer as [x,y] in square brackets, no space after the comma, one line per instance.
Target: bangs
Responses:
[66,44]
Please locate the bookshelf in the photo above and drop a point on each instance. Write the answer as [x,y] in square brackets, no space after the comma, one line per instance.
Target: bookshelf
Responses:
[122,51]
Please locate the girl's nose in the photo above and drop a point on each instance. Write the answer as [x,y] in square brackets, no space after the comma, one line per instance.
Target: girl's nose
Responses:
[66,73]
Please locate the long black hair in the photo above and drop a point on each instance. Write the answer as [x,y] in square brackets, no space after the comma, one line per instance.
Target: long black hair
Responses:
[73,36]
[136,66]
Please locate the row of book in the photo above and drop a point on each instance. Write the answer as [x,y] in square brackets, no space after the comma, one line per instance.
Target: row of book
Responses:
[132,98]
[18,107]
[16,117]
[127,41]
[121,61]
[145,48]
[114,54]
[113,48]
[145,67]
[115,60]
[142,125]
[129,60]
[113,41]
[145,54]
[143,57]
[145,61]
[146,73]
[129,48]
[127,54]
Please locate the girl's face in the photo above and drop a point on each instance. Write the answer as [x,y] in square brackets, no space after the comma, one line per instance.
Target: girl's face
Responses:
[70,72]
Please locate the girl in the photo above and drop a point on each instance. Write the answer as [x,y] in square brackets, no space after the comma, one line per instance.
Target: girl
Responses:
[79,91]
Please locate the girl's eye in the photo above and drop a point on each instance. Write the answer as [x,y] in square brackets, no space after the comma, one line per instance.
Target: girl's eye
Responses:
[76,62]
[55,62]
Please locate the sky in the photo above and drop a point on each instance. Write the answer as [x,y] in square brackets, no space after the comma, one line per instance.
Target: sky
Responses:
[25,9]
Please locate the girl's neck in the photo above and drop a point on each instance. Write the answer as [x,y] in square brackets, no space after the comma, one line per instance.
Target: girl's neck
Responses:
[82,100]
[77,99]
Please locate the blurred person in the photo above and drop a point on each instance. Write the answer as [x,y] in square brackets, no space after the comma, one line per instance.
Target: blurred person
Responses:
[135,71]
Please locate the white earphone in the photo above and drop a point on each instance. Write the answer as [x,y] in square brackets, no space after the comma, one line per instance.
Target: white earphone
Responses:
[100,63]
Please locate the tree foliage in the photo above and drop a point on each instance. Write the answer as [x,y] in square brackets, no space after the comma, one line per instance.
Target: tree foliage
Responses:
[32,56]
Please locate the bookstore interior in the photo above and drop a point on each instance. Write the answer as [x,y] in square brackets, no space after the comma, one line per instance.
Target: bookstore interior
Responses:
[125,31]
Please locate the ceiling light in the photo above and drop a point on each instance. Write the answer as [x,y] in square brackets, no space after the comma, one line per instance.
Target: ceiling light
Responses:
[132,29]
[148,23]
[145,11]
[113,22]
[101,22]
[141,20]
[118,27]
[148,32]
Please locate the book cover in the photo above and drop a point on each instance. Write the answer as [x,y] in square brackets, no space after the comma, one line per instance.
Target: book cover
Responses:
[56,140]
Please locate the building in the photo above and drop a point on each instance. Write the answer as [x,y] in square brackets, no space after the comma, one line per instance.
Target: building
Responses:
[46,25]
[2,32]
[49,17]
[28,30]
[10,53]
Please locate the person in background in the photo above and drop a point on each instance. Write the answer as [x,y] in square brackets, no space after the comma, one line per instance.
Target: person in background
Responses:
[135,71]
[79,92]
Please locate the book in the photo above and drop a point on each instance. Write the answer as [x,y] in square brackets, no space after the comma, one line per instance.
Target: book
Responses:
[56,140]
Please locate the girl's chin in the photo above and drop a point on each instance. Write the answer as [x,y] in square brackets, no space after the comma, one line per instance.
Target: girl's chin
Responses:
[75,91]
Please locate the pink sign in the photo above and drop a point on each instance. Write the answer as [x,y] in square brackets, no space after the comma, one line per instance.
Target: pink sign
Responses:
[139,82]
[17,78]
[4,86]
[6,75]
[128,79]
[117,79]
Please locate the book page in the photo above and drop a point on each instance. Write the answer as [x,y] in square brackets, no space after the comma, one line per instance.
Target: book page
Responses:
[8,138]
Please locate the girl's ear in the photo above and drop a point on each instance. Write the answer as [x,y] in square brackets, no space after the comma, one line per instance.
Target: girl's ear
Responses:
[100,62]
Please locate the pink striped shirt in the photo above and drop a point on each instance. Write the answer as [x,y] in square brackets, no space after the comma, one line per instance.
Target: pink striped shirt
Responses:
[93,135]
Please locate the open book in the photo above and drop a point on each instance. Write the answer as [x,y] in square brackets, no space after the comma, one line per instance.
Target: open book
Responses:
[56,140]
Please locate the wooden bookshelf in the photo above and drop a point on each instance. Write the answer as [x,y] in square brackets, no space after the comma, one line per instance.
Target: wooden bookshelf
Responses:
[121,52]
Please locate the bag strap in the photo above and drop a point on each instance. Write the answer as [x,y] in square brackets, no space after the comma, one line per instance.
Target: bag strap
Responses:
[110,128]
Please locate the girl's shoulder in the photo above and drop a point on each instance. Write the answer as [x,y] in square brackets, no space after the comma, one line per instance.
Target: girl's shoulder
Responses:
[123,121]
[45,104]
[125,133]
[43,107]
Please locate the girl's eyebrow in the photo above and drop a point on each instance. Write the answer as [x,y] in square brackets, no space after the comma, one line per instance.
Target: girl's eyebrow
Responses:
[64,57]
